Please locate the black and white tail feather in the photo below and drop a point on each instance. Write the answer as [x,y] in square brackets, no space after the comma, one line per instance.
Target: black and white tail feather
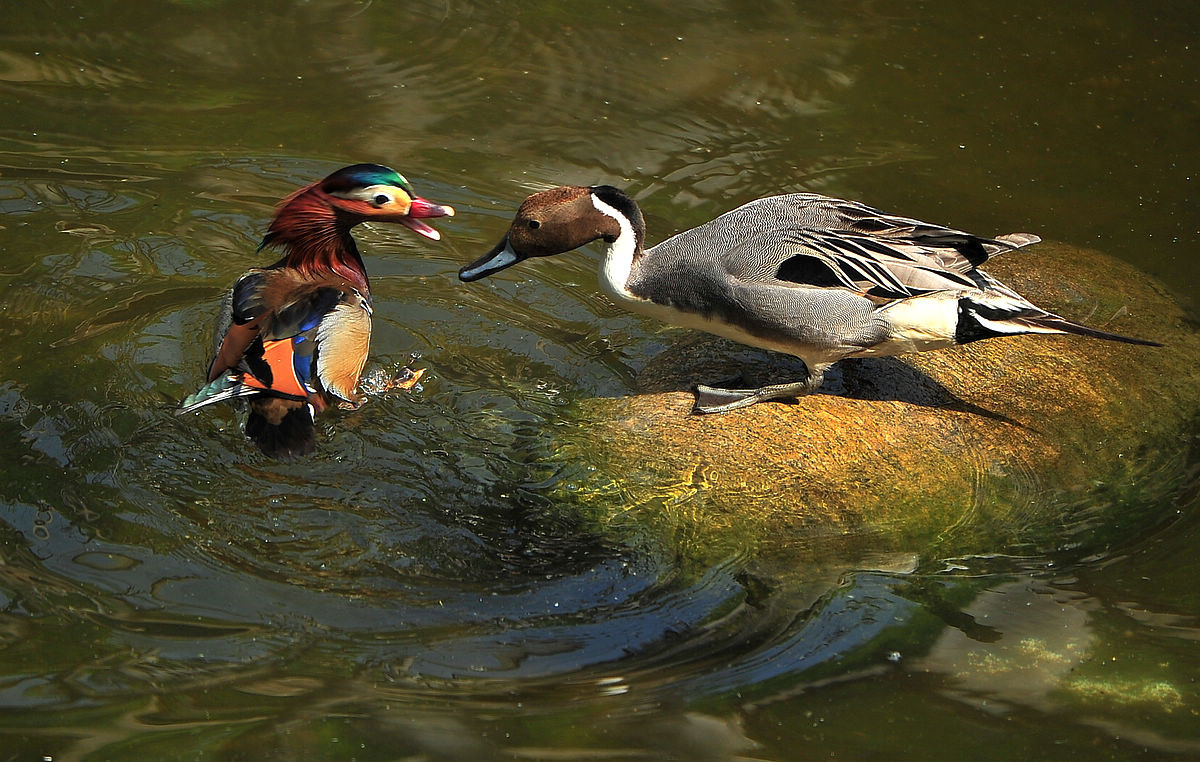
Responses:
[988,314]
[997,310]
[987,310]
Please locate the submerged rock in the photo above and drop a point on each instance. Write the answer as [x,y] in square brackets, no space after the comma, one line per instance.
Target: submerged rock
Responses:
[1004,438]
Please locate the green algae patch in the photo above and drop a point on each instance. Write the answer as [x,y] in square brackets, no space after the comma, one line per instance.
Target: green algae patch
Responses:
[1002,443]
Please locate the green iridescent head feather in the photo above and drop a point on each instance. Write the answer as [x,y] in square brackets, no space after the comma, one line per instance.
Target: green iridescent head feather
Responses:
[364,175]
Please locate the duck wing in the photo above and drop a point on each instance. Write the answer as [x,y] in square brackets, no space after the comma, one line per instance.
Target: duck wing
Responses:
[869,266]
[246,310]
[811,240]
[314,332]
[322,335]
[954,249]
[343,338]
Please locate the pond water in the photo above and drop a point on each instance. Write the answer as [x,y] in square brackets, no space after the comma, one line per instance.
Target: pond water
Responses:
[421,588]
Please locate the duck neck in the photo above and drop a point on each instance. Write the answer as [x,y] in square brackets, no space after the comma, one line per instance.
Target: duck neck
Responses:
[623,249]
[316,239]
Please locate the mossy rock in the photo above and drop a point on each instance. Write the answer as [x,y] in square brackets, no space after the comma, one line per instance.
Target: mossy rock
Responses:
[997,441]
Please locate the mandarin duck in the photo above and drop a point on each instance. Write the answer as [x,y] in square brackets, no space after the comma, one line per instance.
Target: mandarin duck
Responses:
[298,330]
[816,277]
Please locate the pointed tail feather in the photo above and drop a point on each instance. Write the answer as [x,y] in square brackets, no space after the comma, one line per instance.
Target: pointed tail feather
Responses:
[1005,313]
[1062,325]
[226,387]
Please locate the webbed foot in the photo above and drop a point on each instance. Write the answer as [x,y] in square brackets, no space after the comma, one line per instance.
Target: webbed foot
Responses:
[711,399]
[379,381]
[406,378]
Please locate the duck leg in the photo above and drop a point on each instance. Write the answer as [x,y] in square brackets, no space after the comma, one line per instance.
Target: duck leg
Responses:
[711,399]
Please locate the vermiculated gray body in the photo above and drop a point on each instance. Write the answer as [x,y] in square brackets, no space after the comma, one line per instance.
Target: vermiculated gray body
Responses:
[726,270]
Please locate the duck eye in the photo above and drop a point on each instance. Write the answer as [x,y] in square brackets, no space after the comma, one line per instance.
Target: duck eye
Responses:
[534,224]
[380,199]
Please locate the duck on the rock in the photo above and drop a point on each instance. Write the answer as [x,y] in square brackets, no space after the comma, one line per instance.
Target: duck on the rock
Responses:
[816,277]
[298,330]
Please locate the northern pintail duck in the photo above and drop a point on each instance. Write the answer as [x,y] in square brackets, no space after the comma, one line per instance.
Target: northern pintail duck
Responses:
[298,330]
[816,277]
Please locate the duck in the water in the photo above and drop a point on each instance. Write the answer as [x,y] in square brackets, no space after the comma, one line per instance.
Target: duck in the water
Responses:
[298,330]
[816,277]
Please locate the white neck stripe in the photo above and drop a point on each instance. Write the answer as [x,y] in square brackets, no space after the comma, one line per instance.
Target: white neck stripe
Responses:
[618,256]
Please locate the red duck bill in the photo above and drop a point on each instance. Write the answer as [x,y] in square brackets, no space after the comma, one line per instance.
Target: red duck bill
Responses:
[423,209]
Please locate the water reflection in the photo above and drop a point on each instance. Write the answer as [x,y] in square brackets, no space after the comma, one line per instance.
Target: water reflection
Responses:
[427,585]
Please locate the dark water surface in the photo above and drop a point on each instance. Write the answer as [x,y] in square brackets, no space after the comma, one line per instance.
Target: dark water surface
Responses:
[420,589]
